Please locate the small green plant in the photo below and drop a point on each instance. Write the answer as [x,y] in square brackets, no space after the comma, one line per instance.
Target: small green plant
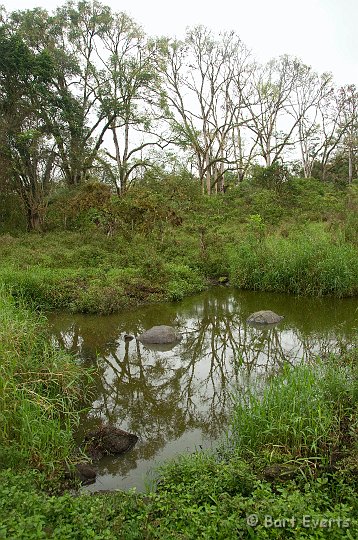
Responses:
[256,227]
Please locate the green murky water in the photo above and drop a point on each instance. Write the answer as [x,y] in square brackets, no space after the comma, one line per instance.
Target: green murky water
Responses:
[178,400]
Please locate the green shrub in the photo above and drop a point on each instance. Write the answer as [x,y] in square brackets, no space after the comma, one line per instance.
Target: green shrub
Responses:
[183,281]
[271,177]
[301,264]
[203,477]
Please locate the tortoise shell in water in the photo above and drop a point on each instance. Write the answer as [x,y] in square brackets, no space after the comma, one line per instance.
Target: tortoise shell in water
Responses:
[264,317]
[160,335]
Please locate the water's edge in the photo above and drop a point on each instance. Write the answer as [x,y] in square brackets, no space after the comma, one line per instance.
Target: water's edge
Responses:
[178,400]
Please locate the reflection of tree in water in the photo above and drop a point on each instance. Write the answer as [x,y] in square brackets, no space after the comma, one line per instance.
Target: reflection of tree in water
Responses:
[160,395]
[143,391]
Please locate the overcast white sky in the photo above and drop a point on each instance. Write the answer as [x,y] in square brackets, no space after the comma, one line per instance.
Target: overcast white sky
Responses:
[323,33]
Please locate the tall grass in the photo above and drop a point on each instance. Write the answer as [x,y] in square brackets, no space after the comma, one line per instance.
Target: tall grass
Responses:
[39,392]
[299,413]
[305,263]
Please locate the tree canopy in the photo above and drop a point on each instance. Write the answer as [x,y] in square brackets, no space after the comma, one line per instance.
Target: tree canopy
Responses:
[84,93]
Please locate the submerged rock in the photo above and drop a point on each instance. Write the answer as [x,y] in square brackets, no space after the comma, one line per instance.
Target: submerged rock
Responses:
[108,440]
[160,335]
[264,317]
[84,472]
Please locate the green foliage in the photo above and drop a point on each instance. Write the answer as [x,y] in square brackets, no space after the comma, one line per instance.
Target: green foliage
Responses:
[86,290]
[125,251]
[268,204]
[256,227]
[299,412]
[271,177]
[12,217]
[92,206]
[183,281]
[89,195]
[79,207]
[20,67]
[315,199]
[40,388]
[305,263]
[197,498]
[182,189]
[337,170]
[33,514]
[203,477]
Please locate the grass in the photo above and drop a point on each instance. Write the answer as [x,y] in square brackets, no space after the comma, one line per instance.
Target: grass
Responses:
[70,271]
[40,388]
[164,241]
[301,413]
[307,263]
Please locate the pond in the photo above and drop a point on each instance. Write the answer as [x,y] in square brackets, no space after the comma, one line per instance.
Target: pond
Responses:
[178,400]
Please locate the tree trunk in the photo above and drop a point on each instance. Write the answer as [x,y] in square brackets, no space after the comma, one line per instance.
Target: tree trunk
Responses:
[350,165]
[34,220]
[208,175]
[268,155]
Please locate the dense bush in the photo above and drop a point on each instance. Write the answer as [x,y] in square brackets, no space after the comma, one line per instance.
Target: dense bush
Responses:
[272,177]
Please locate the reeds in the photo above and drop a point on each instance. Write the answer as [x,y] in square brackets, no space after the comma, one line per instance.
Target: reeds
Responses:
[39,391]
[298,413]
[306,264]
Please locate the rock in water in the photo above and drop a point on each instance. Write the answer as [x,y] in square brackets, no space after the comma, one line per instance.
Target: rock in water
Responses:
[86,473]
[160,334]
[264,317]
[109,440]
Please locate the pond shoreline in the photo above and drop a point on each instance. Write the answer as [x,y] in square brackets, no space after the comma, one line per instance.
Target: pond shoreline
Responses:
[230,486]
[215,333]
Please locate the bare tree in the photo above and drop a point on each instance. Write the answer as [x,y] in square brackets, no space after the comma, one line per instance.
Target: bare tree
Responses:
[126,82]
[267,102]
[335,125]
[244,146]
[349,126]
[308,92]
[200,74]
